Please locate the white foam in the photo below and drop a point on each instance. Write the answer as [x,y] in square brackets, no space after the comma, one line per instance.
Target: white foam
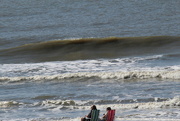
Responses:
[9,103]
[73,104]
[120,68]
[56,105]
[59,102]
[175,102]
[103,75]
[53,68]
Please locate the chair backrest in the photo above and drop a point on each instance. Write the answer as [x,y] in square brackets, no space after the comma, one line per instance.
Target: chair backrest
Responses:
[95,115]
[110,116]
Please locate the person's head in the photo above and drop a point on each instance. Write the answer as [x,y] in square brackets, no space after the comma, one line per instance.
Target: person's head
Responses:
[108,108]
[93,107]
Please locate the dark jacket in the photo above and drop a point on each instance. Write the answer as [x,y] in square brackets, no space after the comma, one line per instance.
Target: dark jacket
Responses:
[89,115]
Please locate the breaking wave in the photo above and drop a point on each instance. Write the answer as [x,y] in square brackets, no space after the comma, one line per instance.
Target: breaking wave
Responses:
[174,74]
[115,104]
[175,102]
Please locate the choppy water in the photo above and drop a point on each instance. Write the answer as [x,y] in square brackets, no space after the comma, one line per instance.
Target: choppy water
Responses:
[59,57]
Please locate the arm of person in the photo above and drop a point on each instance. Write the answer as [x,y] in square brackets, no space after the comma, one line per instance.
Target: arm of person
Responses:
[88,116]
[104,115]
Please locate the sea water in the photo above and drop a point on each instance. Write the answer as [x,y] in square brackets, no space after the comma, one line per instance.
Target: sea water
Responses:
[59,57]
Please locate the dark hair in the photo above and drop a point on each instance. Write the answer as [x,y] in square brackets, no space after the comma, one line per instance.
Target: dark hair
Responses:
[108,108]
[93,107]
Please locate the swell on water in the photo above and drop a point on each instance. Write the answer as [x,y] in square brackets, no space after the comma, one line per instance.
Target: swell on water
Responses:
[90,48]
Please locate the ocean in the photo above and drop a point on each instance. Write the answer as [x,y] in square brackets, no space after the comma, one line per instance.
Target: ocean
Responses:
[59,57]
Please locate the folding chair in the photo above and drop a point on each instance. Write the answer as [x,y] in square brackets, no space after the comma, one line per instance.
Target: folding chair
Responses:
[110,116]
[94,115]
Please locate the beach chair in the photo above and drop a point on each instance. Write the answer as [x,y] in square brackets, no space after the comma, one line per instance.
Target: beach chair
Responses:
[110,116]
[94,115]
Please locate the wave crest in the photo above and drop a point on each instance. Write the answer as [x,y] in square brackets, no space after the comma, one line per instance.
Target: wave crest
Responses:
[90,48]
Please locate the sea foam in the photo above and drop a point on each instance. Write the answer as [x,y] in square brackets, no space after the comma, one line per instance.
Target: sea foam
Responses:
[175,75]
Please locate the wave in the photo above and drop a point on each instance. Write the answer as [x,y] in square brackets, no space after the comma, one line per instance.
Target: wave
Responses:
[122,75]
[49,102]
[90,48]
[52,68]
[158,107]
[175,102]
[77,104]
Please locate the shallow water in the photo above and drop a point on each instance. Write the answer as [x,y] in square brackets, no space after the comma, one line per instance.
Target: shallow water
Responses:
[71,99]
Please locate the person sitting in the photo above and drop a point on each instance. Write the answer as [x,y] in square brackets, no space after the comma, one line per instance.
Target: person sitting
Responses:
[87,117]
[104,117]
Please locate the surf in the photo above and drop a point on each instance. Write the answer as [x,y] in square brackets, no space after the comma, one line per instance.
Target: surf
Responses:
[132,75]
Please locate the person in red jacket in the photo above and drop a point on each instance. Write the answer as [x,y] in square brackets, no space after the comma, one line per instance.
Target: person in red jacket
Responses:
[104,117]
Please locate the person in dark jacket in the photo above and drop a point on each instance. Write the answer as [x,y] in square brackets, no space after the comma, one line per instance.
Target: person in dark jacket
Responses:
[87,117]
